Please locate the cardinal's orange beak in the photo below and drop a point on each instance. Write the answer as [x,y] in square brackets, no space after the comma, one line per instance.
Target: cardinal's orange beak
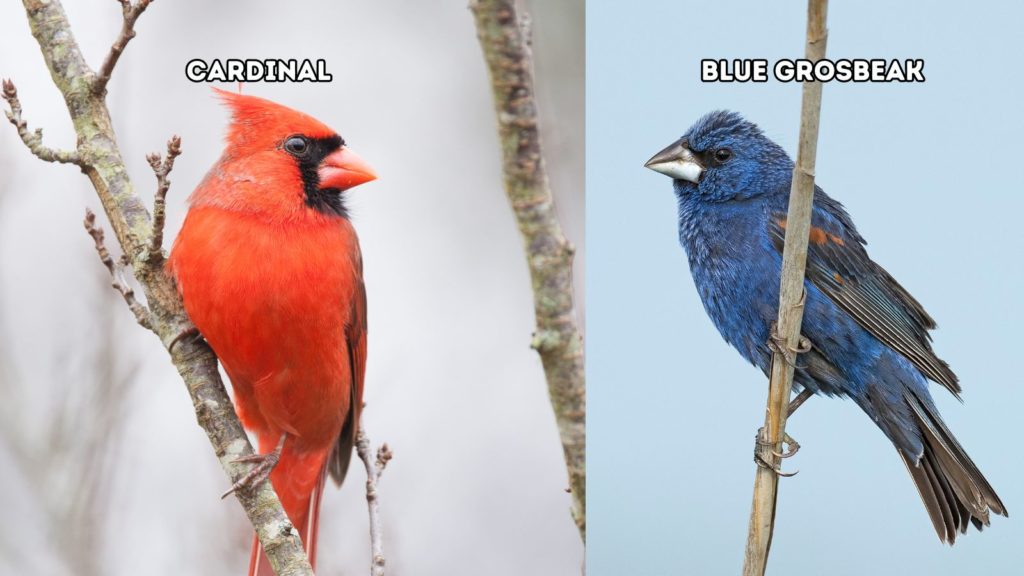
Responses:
[344,169]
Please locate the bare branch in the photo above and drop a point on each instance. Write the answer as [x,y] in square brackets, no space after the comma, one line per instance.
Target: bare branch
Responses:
[141,313]
[130,13]
[374,469]
[33,140]
[161,169]
[133,227]
[504,39]
[791,307]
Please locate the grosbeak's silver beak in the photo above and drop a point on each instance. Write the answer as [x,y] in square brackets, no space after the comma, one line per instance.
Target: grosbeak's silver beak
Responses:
[677,161]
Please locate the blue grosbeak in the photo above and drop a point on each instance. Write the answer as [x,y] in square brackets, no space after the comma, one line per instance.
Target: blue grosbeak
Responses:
[868,336]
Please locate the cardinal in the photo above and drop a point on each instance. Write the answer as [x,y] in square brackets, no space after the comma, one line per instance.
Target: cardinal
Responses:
[269,268]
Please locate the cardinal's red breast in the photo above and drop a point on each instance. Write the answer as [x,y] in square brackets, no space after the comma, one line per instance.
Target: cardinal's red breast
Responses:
[274,301]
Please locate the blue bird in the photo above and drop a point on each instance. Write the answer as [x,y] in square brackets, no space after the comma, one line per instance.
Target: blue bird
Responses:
[868,336]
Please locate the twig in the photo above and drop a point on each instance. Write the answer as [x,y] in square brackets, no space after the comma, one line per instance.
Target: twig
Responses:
[374,469]
[161,169]
[129,13]
[33,140]
[142,314]
[791,294]
[131,223]
[548,254]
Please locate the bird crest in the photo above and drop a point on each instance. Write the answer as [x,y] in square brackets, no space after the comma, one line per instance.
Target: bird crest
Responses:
[257,124]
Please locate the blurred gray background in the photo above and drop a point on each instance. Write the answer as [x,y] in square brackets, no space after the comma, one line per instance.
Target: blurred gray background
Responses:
[102,467]
[931,174]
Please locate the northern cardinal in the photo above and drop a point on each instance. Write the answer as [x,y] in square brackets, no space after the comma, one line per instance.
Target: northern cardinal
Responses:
[269,268]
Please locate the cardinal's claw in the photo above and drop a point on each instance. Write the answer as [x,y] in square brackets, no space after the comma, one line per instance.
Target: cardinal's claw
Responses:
[265,464]
[186,333]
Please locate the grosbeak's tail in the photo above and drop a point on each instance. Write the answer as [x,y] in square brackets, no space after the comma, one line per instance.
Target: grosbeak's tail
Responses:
[953,489]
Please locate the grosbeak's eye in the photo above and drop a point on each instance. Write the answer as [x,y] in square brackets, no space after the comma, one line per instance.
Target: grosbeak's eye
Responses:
[296,146]
[722,155]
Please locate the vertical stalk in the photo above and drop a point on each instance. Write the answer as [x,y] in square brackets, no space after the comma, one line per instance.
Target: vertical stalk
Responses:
[791,311]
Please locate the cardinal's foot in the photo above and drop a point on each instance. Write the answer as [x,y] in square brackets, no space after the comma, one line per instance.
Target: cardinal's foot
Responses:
[190,332]
[261,471]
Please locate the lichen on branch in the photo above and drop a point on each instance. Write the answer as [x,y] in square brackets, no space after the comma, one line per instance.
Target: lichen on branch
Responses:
[504,37]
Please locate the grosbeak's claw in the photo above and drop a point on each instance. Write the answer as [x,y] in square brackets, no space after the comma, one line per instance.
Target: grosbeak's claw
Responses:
[778,471]
[761,442]
[776,343]
[794,447]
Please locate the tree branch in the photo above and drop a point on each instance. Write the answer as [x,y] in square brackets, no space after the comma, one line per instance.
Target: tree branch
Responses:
[161,169]
[101,161]
[33,140]
[129,13]
[142,314]
[791,310]
[374,469]
[505,44]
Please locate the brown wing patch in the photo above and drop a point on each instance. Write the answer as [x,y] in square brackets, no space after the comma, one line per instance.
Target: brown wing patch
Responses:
[864,290]
[817,236]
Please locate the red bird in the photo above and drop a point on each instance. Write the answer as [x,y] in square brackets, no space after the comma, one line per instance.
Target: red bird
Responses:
[269,268]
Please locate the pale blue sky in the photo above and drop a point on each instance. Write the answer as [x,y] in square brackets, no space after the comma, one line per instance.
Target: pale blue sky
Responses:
[931,174]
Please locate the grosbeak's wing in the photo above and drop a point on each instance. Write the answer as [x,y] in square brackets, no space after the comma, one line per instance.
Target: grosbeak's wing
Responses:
[838,266]
[355,337]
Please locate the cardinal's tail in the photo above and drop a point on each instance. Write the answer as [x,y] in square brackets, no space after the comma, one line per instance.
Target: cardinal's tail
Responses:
[299,481]
[951,486]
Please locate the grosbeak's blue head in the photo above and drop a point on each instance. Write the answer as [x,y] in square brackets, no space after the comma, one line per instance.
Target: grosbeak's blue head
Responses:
[722,157]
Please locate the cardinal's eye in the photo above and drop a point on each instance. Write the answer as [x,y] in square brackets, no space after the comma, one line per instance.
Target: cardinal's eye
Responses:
[723,155]
[296,145]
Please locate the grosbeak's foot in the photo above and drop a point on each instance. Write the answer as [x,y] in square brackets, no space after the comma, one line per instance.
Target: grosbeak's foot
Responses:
[265,464]
[191,332]
[778,471]
[803,344]
[793,447]
[776,343]
[761,442]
